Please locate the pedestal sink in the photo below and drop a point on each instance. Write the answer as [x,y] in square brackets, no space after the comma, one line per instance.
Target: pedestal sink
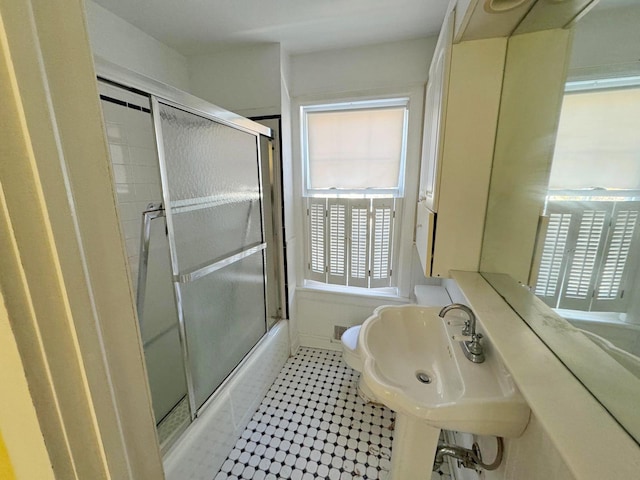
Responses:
[415,366]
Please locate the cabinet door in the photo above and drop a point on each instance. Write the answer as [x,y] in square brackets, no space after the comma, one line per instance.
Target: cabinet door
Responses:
[434,116]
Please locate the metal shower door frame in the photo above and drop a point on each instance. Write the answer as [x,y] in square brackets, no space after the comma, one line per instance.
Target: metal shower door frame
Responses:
[158,91]
[182,278]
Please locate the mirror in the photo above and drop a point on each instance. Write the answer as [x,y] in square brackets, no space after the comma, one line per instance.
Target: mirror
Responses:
[564,205]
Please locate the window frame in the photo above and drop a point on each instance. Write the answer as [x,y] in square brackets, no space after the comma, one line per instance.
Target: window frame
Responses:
[396,195]
[374,104]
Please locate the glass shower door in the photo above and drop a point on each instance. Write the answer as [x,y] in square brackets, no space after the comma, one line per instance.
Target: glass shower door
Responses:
[211,189]
[159,327]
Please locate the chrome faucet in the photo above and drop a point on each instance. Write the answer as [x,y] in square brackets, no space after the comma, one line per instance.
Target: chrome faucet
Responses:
[472,349]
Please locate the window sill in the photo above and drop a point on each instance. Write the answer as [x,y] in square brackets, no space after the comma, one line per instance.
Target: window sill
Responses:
[386,293]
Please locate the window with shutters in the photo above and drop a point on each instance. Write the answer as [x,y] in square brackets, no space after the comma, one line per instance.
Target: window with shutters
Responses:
[589,252]
[354,161]
[590,246]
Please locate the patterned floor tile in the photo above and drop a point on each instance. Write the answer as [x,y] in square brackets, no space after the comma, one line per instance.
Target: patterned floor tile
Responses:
[313,425]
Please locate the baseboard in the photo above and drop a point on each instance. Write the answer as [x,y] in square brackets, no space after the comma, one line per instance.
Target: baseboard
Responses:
[316,341]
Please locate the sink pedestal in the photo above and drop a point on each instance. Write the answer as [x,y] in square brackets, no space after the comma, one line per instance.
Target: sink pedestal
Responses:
[414,448]
[412,365]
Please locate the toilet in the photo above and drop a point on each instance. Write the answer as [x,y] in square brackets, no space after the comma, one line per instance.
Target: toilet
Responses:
[428,295]
[351,357]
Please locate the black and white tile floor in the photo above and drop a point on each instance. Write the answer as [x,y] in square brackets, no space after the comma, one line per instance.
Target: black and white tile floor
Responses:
[312,425]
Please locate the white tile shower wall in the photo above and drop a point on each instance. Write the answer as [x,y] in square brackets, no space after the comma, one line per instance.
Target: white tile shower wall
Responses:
[205,445]
[135,164]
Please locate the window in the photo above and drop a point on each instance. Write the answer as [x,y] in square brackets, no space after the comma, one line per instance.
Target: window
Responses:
[354,159]
[598,143]
[589,256]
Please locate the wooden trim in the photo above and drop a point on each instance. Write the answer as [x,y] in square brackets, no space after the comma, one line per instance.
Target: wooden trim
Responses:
[72,311]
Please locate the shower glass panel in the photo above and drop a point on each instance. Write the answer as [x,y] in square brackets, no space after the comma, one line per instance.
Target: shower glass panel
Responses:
[213,183]
[211,188]
[130,135]
[159,327]
[224,313]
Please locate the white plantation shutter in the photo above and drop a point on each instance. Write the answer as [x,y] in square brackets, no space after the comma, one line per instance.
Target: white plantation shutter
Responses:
[590,252]
[616,267]
[316,211]
[587,251]
[553,258]
[337,241]
[359,242]
[351,241]
[382,240]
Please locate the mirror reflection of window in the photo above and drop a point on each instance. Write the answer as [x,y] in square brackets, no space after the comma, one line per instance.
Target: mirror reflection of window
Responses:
[598,145]
[591,235]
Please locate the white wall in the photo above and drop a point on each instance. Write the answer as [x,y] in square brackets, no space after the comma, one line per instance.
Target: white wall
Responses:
[383,70]
[530,457]
[119,42]
[245,79]
[319,312]
[358,69]
[287,192]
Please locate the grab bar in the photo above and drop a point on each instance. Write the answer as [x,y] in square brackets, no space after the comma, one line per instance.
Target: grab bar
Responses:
[154,210]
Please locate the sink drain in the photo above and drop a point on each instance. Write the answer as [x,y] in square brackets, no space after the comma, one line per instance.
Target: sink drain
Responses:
[423,377]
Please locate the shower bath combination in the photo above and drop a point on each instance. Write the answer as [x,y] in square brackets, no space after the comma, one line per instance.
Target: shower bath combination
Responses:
[201,289]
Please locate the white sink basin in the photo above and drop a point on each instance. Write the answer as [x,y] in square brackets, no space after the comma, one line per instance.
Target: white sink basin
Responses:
[400,343]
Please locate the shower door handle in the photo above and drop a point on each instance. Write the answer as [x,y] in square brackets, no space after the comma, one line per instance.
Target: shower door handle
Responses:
[154,210]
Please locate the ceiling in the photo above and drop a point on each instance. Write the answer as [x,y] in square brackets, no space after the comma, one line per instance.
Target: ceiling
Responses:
[201,26]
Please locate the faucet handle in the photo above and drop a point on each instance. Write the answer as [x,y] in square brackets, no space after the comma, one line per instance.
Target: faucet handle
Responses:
[475,347]
[466,330]
[462,338]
